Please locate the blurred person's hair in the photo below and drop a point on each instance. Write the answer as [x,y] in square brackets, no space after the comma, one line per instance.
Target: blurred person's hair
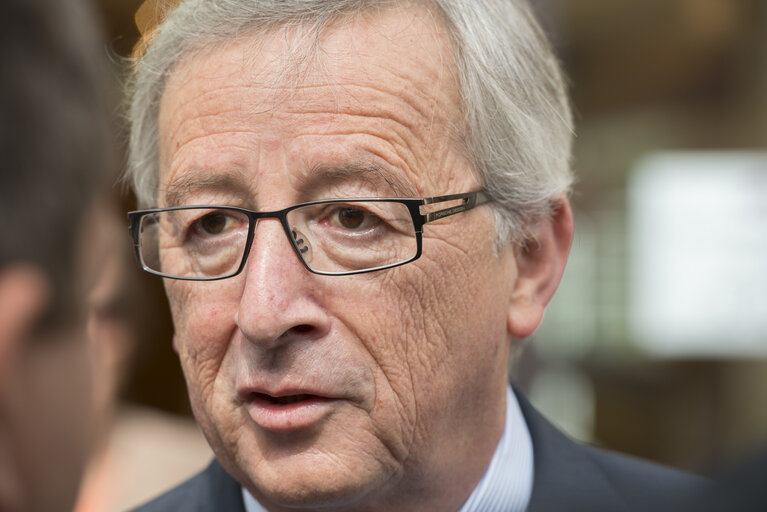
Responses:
[54,147]
[518,126]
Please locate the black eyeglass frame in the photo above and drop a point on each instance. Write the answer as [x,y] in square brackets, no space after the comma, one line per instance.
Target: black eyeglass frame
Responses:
[470,200]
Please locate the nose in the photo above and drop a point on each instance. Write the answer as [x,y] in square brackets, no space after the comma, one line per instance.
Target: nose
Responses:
[280,299]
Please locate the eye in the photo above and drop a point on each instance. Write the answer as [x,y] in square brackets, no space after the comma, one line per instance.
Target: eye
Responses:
[352,218]
[213,223]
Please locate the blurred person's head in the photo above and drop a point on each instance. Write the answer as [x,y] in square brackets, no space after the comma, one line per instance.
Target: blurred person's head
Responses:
[330,362]
[54,154]
[115,303]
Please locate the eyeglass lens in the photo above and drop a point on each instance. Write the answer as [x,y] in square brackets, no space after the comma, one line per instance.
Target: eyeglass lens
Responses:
[332,237]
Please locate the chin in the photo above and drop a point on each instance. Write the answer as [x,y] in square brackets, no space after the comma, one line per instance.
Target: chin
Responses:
[308,482]
[320,496]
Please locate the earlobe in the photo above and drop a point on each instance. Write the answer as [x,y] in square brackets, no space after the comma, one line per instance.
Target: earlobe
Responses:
[540,265]
[23,295]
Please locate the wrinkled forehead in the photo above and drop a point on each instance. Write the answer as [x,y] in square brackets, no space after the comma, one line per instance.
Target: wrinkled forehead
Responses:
[289,56]
[394,64]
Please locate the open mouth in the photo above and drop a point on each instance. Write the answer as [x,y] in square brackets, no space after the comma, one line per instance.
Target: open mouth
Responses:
[283,400]
[289,410]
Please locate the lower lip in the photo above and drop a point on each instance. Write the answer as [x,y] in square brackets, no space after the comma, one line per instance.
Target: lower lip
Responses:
[286,417]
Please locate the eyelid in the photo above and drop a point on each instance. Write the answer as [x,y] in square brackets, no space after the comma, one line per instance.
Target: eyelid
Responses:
[366,208]
[196,215]
[370,222]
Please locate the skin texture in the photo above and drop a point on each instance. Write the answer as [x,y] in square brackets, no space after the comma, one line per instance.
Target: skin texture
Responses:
[414,357]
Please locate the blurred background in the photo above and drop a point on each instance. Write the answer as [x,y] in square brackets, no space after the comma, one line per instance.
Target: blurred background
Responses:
[656,343]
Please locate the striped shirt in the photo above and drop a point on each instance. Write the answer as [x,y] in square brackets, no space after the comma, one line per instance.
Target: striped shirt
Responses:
[508,482]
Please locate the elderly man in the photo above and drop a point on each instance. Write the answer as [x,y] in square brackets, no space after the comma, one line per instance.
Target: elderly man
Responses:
[357,204]
[53,152]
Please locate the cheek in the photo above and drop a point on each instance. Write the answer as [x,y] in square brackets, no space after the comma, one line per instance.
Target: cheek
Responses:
[203,319]
[394,317]
[382,322]
[431,326]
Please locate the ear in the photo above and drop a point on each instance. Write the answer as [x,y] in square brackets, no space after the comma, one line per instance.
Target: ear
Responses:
[23,296]
[540,264]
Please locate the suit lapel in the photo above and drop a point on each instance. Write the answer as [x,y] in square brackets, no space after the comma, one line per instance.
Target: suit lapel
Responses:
[565,475]
[221,492]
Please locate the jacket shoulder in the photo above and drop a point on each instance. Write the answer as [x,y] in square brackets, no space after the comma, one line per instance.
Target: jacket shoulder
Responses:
[644,485]
[579,478]
[210,490]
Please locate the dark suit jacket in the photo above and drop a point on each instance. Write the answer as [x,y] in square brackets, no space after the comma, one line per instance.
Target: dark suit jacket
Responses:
[741,487]
[568,477]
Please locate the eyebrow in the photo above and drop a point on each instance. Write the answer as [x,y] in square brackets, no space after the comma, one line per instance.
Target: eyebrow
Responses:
[322,176]
[179,189]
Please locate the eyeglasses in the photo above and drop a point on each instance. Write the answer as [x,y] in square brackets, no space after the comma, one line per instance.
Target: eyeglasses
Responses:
[331,237]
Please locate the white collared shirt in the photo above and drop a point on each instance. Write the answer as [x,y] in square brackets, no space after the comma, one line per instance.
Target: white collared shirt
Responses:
[507,484]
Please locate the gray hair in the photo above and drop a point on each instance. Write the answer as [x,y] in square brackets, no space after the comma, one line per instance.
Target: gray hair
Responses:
[518,125]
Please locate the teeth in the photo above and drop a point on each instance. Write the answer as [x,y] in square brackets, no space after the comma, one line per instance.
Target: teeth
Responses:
[287,400]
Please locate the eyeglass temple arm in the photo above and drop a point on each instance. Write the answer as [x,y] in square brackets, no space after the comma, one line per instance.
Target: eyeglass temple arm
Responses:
[470,200]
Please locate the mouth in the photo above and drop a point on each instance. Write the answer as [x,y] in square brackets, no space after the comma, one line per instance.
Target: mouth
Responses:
[289,411]
[284,399]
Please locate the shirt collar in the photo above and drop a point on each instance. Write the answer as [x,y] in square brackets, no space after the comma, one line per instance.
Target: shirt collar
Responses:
[508,481]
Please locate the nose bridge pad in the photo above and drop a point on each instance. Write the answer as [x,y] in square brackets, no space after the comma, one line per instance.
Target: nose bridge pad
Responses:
[302,244]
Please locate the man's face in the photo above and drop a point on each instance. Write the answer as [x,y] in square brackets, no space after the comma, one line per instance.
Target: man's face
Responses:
[337,390]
